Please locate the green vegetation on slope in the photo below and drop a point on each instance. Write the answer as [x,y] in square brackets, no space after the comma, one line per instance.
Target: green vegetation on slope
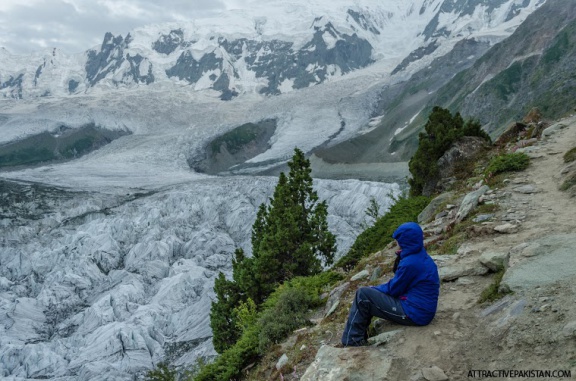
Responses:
[290,238]
[62,144]
[242,135]
[441,131]
[285,310]
[509,162]
[570,156]
[378,236]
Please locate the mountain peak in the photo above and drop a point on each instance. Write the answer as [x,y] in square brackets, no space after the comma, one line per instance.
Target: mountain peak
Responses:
[271,48]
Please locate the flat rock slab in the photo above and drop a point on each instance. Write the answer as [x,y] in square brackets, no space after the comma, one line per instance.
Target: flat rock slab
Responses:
[555,261]
[458,270]
[348,364]
[526,189]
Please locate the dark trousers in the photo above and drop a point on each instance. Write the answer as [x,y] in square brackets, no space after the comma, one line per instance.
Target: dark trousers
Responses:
[368,303]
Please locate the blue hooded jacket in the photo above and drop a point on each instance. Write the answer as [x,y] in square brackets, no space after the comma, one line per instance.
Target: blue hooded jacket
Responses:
[416,282]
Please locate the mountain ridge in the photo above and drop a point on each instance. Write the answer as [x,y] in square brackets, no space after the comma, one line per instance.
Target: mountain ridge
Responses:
[280,47]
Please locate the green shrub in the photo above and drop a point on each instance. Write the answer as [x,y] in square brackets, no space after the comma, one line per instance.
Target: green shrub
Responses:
[289,313]
[229,365]
[568,183]
[492,292]
[161,373]
[441,130]
[283,311]
[287,307]
[507,163]
[570,156]
[378,236]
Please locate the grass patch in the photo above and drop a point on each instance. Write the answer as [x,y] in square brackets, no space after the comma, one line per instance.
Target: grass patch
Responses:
[509,162]
[568,183]
[451,245]
[486,209]
[492,292]
[378,236]
[570,156]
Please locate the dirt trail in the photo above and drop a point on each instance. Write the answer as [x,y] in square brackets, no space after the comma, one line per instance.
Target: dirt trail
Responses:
[531,328]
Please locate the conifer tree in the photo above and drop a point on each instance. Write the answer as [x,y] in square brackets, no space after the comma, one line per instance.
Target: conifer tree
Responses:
[222,319]
[441,130]
[290,237]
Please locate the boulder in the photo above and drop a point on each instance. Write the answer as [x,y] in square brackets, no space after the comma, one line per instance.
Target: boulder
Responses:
[495,261]
[348,364]
[434,374]
[483,217]
[553,129]
[470,202]
[506,228]
[426,215]
[282,361]
[526,189]
[383,338]
[555,262]
[511,134]
[569,329]
[465,149]
[334,298]
[361,275]
[458,270]
[376,274]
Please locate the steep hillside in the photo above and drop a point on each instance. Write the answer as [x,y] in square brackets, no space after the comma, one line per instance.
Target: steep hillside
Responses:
[533,67]
[495,85]
[524,324]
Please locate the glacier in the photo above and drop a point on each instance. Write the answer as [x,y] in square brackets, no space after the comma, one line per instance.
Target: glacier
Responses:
[97,286]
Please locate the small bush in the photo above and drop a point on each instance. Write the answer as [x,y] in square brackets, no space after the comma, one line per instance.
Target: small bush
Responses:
[283,311]
[378,236]
[492,292]
[570,156]
[162,373]
[509,162]
[568,183]
[229,365]
[289,313]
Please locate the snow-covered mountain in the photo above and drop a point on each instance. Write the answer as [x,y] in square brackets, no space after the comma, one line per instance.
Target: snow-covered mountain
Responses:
[274,47]
[111,271]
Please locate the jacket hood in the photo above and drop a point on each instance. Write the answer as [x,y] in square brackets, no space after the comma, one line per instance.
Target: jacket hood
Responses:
[410,238]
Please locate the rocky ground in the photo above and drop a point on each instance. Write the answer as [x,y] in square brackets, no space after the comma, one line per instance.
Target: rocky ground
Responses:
[530,229]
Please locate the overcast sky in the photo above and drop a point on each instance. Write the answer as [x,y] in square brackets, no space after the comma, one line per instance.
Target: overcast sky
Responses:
[77,25]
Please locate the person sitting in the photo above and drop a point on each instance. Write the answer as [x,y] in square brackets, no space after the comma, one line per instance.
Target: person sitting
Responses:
[409,298]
